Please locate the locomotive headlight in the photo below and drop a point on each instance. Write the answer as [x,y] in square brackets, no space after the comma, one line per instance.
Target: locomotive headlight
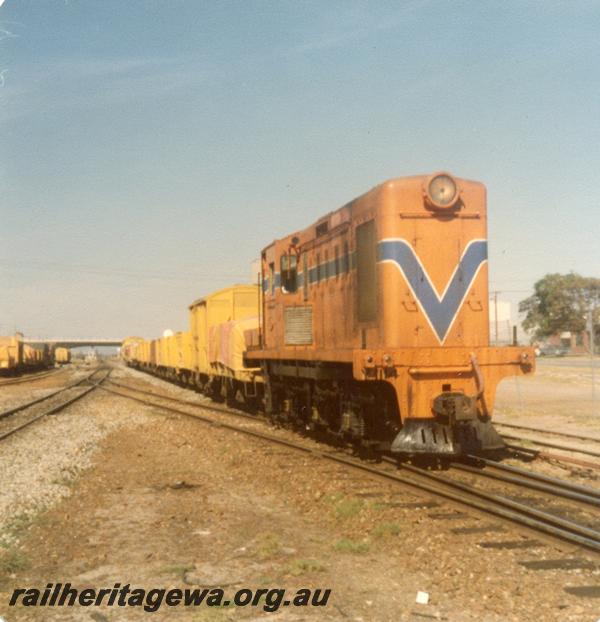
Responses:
[441,190]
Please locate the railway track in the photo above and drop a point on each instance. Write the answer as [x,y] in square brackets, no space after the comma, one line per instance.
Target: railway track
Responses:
[580,437]
[530,479]
[529,517]
[536,447]
[529,453]
[30,377]
[15,419]
[542,443]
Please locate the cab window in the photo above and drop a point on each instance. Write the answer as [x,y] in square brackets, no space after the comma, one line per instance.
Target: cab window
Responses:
[272,278]
[337,262]
[305,274]
[289,273]
[346,258]
[318,267]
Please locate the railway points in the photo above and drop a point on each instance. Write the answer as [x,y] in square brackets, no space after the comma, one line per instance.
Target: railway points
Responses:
[19,417]
[29,377]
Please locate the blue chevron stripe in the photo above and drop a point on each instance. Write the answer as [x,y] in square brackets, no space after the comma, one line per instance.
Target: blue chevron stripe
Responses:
[441,311]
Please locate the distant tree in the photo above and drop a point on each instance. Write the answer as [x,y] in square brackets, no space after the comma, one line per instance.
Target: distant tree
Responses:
[561,302]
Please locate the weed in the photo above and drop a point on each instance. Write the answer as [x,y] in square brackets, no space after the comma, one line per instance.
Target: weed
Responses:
[378,506]
[266,581]
[237,460]
[11,561]
[63,481]
[386,529]
[267,546]
[223,449]
[178,570]
[19,523]
[346,545]
[345,507]
[302,566]
[213,614]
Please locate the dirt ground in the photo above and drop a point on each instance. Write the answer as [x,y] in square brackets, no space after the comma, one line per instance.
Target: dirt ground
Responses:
[558,394]
[174,503]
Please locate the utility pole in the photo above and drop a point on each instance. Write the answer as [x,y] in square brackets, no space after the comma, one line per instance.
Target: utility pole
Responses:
[495,292]
[590,327]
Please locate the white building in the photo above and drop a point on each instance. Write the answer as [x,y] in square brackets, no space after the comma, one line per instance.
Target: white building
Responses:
[500,322]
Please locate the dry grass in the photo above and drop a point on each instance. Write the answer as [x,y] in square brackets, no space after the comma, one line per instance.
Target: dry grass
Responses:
[299,567]
[347,545]
[12,560]
[386,529]
[268,546]
[344,508]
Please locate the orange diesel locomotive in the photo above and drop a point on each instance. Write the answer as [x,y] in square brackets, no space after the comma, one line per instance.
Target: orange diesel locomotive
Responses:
[374,321]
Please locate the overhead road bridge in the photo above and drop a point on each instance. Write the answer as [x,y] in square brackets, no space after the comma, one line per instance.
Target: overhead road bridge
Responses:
[75,343]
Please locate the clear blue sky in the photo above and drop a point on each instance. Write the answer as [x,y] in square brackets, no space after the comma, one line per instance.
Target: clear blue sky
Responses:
[149,149]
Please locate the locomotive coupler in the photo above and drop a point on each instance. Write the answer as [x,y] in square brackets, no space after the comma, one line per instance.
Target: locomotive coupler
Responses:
[456,428]
[454,406]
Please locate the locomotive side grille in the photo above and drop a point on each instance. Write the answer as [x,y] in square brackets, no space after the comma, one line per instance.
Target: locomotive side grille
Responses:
[298,326]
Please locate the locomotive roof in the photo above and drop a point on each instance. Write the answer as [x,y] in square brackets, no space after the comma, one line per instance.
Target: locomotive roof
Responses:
[219,291]
[349,204]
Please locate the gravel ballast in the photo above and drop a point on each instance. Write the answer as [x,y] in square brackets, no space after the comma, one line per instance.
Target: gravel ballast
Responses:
[38,464]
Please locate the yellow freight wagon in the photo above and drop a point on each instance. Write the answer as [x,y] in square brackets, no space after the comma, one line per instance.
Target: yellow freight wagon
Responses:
[217,325]
[62,356]
[130,348]
[160,358]
[211,355]
[227,346]
[35,357]
[175,356]
[11,353]
[167,355]
[144,352]
[185,351]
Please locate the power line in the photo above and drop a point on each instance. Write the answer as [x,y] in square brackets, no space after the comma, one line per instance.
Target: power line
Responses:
[184,275]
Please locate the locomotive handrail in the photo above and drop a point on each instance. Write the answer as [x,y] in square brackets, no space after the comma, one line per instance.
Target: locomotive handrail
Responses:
[478,375]
[416,371]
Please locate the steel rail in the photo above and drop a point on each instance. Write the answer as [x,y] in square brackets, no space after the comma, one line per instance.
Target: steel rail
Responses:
[454,491]
[544,517]
[16,409]
[594,439]
[548,455]
[557,490]
[57,408]
[540,477]
[573,491]
[30,377]
[578,450]
[217,408]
